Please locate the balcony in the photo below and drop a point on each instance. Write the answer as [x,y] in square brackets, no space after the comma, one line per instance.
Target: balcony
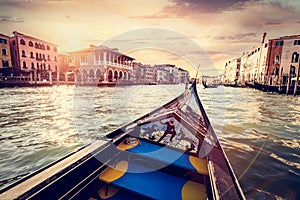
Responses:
[83,63]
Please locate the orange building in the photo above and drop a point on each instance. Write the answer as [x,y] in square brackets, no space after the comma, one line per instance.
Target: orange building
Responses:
[282,59]
[5,55]
[33,56]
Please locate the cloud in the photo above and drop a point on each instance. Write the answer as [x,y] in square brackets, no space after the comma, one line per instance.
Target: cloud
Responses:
[183,8]
[240,37]
[272,24]
[9,19]
[16,3]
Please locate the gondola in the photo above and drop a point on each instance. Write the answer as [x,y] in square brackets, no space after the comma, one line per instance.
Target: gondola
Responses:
[136,162]
[205,85]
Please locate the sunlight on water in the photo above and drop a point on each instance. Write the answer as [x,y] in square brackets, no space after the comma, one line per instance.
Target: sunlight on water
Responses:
[259,131]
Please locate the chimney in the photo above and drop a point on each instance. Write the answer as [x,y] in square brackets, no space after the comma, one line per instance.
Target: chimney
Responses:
[264,36]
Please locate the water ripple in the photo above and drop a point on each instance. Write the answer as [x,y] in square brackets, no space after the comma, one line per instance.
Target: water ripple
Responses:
[259,131]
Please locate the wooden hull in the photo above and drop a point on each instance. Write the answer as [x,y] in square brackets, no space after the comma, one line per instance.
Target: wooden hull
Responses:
[136,162]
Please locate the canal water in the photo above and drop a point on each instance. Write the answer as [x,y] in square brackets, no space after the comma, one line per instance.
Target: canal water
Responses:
[260,132]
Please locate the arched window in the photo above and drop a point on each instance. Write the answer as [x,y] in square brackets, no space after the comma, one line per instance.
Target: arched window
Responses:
[31,54]
[22,42]
[30,44]
[37,56]
[24,64]
[40,56]
[32,65]
[55,59]
[292,71]
[36,45]
[23,53]
[43,46]
[277,59]
[49,57]
[295,57]
[49,68]
[48,48]
[43,56]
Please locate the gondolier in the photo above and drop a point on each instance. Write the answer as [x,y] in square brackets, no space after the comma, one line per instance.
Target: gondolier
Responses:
[170,130]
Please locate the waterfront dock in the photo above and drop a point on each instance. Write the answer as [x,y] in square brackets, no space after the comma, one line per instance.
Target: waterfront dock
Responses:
[280,89]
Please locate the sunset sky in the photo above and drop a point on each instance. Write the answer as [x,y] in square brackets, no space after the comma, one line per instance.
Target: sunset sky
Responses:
[156,29]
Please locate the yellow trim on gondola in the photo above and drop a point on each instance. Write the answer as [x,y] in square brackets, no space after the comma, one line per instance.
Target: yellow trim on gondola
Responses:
[114,172]
[124,146]
[200,164]
[193,191]
[107,191]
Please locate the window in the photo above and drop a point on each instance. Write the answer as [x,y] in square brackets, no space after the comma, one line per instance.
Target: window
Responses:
[37,65]
[49,57]
[43,56]
[277,59]
[24,64]
[295,57]
[23,53]
[55,59]
[14,42]
[275,71]
[43,46]
[266,45]
[30,44]
[3,41]
[37,56]
[36,45]
[22,42]
[31,54]
[48,48]
[293,71]
[5,63]
[49,68]
[55,49]
[297,42]
[279,43]
[4,52]
[32,65]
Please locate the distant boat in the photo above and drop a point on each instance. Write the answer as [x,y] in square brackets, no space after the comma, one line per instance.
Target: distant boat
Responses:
[136,162]
[209,85]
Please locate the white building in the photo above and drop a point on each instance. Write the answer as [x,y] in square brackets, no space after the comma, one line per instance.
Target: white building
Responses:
[101,64]
[232,71]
